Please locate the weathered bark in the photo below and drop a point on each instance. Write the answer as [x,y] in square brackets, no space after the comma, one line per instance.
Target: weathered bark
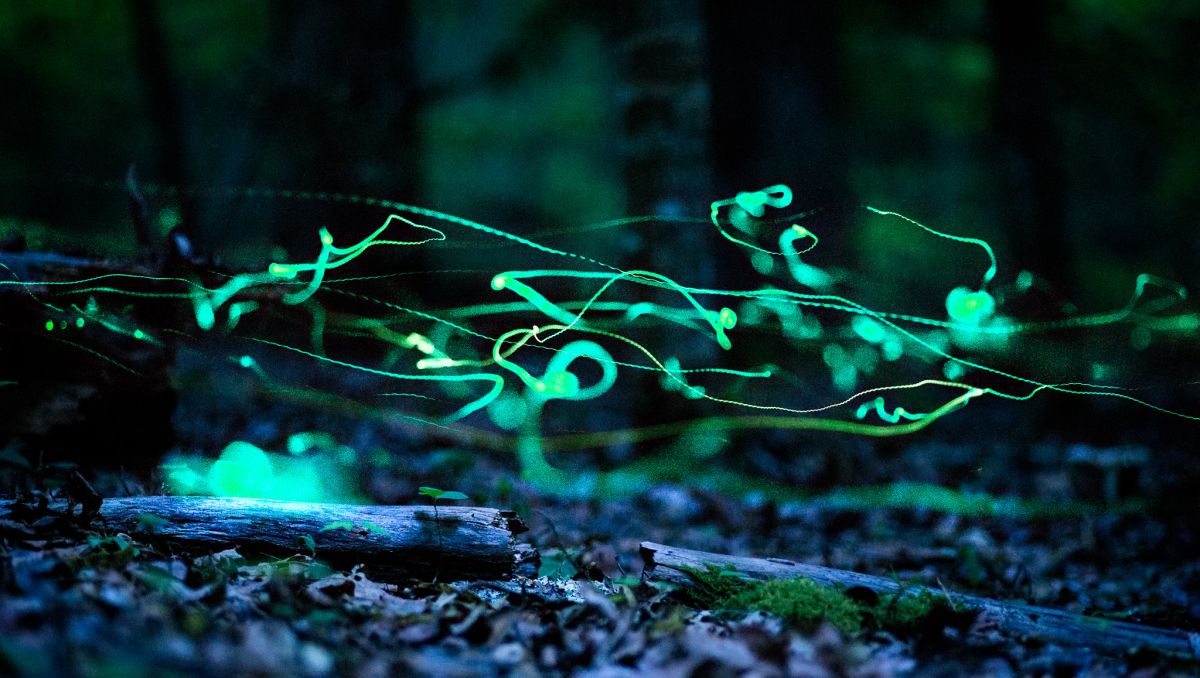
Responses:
[391,541]
[667,563]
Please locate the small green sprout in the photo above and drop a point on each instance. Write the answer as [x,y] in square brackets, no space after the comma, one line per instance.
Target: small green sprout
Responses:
[435,494]
[442,494]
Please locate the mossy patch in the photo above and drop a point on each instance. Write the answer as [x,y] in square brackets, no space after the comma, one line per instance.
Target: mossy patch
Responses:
[804,603]
[801,602]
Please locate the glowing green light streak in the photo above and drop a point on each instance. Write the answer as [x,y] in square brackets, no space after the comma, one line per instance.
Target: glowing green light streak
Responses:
[721,321]
[576,441]
[673,381]
[116,291]
[237,310]
[809,276]
[476,226]
[748,200]
[511,307]
[97,354]
[748,203]
[81,281]
[373,323]
[409,395]
[25,286]
[841,303]
[755,204]
[894,417]
[652,219]
[992,268]
[670,373]
[107,321]
[325,262]
[249,363]
[496,380]
[632,311]
[558,382]
[413,312]
[370,201]
[206,302]
[826,301]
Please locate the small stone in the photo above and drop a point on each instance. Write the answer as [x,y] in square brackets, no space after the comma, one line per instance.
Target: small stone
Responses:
[315,660]
[508,654]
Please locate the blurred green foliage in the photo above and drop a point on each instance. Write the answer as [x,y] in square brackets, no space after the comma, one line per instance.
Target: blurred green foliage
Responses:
[517,117]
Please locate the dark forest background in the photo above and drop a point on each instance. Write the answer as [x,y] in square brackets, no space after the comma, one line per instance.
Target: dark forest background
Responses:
[1066,133]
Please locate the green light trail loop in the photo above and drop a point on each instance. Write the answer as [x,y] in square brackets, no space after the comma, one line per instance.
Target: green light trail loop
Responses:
[753,203]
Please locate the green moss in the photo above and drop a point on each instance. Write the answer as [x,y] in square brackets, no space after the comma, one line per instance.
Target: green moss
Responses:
[804,603]
[713,587]
[801,602]
[902,610]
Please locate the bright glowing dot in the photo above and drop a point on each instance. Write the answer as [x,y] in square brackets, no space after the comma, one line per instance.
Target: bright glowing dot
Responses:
[498,282]
[953,370]
[246,361]
[762,262]
[299,443]
[181,479]
[79,322]
[326,238]
[49,325]
[868,328]
[800,230]
[966,306]
[205,317]
[539,386]
[138,334]
[727,318]
[420,343]
[752,201]
[562,383]
[242,471]
[892,350]
[508,412]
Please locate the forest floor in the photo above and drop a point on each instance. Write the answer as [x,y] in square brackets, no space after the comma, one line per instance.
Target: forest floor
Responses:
[80,600]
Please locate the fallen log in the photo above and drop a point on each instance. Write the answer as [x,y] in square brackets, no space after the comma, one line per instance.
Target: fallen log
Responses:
[392,542]
[670,564]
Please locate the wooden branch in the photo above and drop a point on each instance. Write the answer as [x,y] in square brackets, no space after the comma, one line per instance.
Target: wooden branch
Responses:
[667,563]
[461,542]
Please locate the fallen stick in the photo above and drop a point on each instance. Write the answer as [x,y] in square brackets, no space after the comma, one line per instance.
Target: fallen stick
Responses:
[456,542]
[670,564]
